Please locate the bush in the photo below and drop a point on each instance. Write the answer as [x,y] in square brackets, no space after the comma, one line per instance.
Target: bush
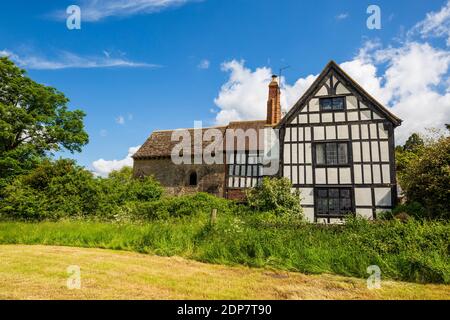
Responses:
[426,180]
[275,194]
[61,189]
[188,205]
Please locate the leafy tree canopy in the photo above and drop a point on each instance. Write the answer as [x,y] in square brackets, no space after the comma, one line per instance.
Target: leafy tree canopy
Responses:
[34,121]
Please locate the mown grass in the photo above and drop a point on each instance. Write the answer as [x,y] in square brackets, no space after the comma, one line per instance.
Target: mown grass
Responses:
[413,251]
[40,272]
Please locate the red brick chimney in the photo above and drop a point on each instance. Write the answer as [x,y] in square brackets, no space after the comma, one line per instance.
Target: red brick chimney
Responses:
[273,103]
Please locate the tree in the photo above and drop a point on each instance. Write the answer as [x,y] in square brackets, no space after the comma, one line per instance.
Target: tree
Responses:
[414,143]
[34,122]
[275,194]
[426,179]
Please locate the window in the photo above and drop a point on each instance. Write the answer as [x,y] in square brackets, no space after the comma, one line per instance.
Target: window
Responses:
[193,179]
[332,104]
[333,201]
[332,153]
[245,169]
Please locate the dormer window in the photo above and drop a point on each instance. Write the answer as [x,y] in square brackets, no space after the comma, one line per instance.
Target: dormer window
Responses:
[332,104]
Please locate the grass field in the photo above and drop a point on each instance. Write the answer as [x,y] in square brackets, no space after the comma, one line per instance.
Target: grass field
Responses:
[39,272]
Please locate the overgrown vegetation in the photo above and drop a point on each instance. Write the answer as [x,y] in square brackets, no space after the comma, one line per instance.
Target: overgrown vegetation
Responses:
[275,195]
[423,167]
[413,251]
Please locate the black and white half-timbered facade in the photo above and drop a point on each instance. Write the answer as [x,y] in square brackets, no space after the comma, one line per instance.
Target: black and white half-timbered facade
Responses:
[336,145]
[337,148]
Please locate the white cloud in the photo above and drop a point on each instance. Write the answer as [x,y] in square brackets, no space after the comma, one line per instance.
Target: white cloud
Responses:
[244,95]
[204,64]
[411,79]
[342,16]
[69,60]
[96,10]
[436,24]
[120,120]
[104,167]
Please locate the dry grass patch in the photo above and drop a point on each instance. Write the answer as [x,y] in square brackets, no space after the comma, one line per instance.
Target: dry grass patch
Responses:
[39,272]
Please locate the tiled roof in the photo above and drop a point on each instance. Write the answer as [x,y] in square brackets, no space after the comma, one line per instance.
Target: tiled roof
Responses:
[160,143]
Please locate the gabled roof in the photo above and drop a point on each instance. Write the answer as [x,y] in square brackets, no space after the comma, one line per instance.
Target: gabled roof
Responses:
[349,83]
[160,144]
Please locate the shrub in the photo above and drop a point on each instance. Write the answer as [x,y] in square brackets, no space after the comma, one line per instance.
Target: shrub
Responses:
[275,194]
[61,189]
[188,205]
[426,179]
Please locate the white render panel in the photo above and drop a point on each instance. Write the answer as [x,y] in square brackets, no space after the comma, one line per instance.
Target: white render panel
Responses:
[320,176]
[319,133]
[294,153]
[322,92]
[355,132]
[294,134]
[341,89]
[308,152]
[376,173]
[364,213]
[356,151]
[327,117]
[386,173]
[363,197]
[309,214]
[332,175]
[383,197]
[314,105]
[366,151]
[294,175]
[300,134]
[303,118]
[339,116]
[342,132]
[307,134]
[375,154]
[301,175]
[358,174]
[352,103]
[367,173]
[331,132]
[287,135]
[301,152]
[384,146]
[345,175]
[287,153]
[365,115]
[287,172]
[382,133]
[307,196]
[373,130]
[295,120]
[364,131]
[308,177]
[314,118]
[376,116]
[352,116]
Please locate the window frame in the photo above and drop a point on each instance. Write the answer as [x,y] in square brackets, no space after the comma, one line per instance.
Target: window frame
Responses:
[344,103]
[326,164]
[341,212]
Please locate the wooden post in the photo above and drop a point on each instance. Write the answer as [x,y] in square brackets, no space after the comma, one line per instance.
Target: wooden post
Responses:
[213,216]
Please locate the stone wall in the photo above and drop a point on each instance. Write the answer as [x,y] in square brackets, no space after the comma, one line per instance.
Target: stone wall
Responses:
[175,178]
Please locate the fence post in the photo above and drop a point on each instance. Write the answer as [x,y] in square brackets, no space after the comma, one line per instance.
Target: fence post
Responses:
[213,216]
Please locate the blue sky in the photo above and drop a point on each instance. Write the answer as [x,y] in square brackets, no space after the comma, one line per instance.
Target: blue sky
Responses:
[147,66]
